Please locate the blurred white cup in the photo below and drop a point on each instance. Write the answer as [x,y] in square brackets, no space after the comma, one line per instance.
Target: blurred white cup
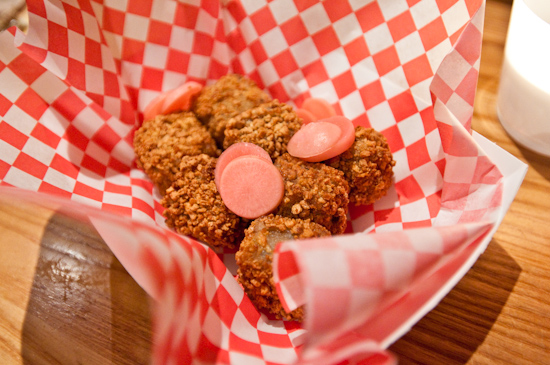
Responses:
[523,104]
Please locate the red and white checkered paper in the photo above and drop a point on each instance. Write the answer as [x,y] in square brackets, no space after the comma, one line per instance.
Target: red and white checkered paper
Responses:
[72,91]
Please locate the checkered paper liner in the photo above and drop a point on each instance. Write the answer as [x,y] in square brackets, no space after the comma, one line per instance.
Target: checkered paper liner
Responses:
[72,91]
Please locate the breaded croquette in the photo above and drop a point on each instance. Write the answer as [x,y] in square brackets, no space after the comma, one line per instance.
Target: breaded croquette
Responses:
[367,166]
[162,142]
[255,256]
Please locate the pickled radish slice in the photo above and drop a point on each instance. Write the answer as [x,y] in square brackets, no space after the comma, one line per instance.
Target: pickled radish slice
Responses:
[320,108]
[234,151]
[346,138]
[313,140]
[251,187]
[306,115]
[181,98]
[154,107]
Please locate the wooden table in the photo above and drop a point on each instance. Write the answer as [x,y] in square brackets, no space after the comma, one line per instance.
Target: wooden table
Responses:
[60,286]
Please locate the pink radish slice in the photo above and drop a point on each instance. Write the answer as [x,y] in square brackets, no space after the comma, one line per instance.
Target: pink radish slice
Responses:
[313,140]
[154,107]
[306,115]
[251,187]
[234,151]
[320,108]
[181,98]
[346,138]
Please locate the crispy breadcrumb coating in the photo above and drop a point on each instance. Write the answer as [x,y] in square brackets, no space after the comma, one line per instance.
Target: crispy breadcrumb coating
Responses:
[255,256]
[228,97]
[367,166]
[161,143]
[314,191]
[270,126]
[195,208]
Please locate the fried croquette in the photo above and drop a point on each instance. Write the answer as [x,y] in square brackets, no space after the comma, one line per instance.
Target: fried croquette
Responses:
[162,142]
[195,208]
[270,126]
[367,166]
[255,256]
[228,97]
[314,191]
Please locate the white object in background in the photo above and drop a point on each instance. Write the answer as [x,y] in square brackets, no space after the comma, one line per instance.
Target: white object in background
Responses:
[523,105]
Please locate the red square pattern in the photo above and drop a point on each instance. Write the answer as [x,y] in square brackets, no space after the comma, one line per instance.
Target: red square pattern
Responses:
[401,26]
[177,61]
[386,60]
[237,344]
[76,74]
[30,165]
[417,70]
[69,105]
[356,50]
[93,53]
[387,216]
[403,106]
[294,30]
[418,154]
[370,16]
[58,40]
[186,15]
[74,18]
[113,20]
[263,20]
[203,44]
[31,103]
[46,136]
[344,84]
[159,32]
[26,68]
[433,33]
[372,94]
[64,166]
[465,89]
[393,136]
[326,41]
[5,105]
[409,190]
[141,7]
[12,136]
[315,73]
[336,9]
[51,189]
[284,63]
[132,50]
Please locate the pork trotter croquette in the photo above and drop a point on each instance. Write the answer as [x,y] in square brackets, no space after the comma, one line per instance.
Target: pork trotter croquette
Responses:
[367,166]
[314,191]
[228,97]
[270,126]
[255,256]
[162,142]
[195,208]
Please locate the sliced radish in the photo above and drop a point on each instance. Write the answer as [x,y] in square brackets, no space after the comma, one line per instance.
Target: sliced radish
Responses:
[251,187]
[181,98]
[320,108]
[154,107]
[313,140]
[306,115]
[234,151]
[346,138]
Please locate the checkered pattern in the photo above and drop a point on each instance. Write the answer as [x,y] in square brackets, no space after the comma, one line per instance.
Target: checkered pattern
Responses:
[366,272]
[202,314]
[73,89]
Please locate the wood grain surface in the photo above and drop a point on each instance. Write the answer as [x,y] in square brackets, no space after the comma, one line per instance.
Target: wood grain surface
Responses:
[61,288]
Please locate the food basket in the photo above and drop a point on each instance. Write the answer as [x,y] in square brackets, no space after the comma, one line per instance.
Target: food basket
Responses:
[72,92]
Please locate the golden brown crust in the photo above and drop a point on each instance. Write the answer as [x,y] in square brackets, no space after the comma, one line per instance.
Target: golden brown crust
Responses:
[270,126]
[195,208]
[228,97]
[367,166]
[314,191]
[255,256]
[161,143]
